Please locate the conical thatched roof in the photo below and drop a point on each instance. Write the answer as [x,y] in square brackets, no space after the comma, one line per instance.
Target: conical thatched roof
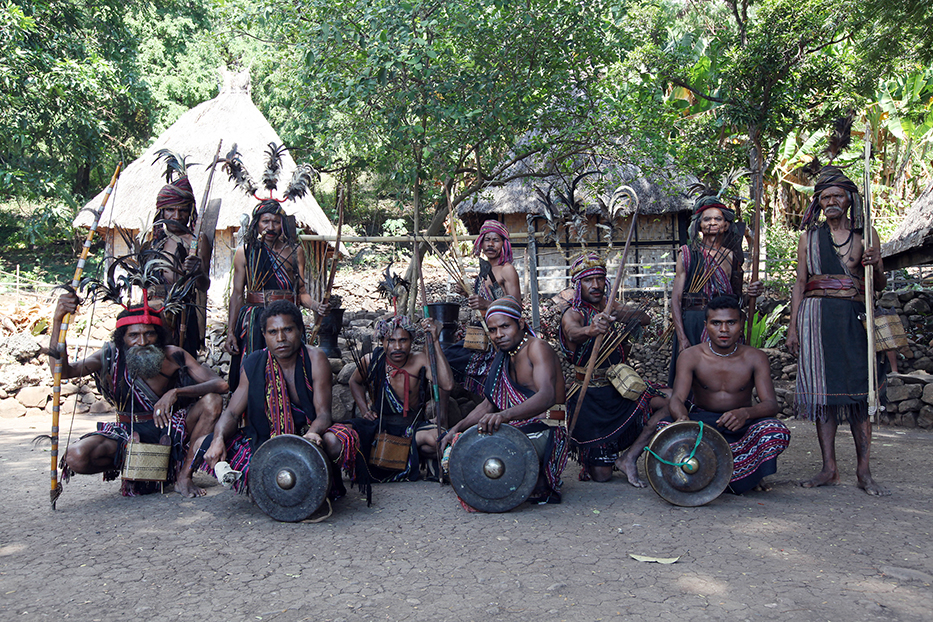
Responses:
[911,243]
[231,117]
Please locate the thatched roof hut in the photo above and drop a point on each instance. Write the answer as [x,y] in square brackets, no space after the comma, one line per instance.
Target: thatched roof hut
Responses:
[911,243]
[233,118]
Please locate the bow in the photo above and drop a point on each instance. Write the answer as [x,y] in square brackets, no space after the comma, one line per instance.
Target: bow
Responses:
[440,407]
[870,286]
[56,490]
[341,195]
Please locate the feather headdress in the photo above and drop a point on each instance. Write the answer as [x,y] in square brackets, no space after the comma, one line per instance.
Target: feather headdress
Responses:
[302,180]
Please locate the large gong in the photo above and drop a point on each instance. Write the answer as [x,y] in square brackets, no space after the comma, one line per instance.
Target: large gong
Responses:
[289,477]
[493,472]
[699,472]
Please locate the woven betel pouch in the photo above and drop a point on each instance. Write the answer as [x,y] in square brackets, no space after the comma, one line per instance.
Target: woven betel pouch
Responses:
[626,381]
[390,451]
[889,331]
[475,338]
[146,462]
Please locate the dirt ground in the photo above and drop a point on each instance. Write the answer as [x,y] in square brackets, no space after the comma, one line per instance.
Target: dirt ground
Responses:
[823,554]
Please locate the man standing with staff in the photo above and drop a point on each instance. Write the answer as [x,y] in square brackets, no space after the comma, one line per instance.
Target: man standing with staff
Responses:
[826,331]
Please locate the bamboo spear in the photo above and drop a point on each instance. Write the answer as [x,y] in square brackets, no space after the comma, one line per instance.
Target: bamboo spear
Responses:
[440,408]
[56,490]
[591,365]
[870,286]
[333,264]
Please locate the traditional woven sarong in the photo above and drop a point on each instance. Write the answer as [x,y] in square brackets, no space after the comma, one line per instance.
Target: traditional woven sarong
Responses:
[503,393]
[135,397]
[607,423]
[832,370]
[395,419]
[265,271]
[471,366]
[755,447]
[701,263]
[270,412]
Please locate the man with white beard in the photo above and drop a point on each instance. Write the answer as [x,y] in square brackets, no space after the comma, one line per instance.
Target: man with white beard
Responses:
[161,394]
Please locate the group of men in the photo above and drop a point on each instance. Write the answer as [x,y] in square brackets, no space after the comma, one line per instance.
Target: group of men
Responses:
[281,385]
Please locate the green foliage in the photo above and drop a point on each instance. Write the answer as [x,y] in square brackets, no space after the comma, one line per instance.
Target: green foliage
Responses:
[782,258]
[766,330]
[395,227]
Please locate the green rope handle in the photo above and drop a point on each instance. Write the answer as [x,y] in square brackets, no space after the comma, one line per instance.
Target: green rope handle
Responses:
[690,457]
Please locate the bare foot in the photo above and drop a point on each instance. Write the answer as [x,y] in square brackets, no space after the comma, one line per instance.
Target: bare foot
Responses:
[628,464]
[823,478]
[764,486]
[186,488]
[871,487]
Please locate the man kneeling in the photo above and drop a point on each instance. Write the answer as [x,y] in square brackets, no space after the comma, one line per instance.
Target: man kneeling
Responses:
[284,389]
[721,374]
[524,382]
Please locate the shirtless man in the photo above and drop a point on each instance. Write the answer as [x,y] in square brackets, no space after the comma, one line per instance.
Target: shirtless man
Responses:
[721,373]
[172,233]
[825,329]
[158,391]
[269,266]
[524,383]
[494,245]
[393,395]
[304,404]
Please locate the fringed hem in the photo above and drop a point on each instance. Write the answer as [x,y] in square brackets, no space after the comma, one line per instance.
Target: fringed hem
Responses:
[838,413]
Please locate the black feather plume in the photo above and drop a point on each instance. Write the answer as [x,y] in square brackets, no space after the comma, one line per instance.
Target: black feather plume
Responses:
[270,176]
[302,182]
[175,164]
[233,165]
[840,137]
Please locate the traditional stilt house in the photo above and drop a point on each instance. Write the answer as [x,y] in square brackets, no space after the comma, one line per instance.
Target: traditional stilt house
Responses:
[911,244]
[233,118]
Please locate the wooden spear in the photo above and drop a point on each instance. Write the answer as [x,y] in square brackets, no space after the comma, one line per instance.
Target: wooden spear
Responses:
[333,264]
[63,333]
[591,365]
[440,408]
[868,240]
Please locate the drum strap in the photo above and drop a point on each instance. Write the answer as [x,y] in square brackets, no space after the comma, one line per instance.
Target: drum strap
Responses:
[688,458]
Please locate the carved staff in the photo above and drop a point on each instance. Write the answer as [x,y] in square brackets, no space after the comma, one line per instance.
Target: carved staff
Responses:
[59,353]
[440,407]
[193,252]
[333,265]
[870,286]
[591,365]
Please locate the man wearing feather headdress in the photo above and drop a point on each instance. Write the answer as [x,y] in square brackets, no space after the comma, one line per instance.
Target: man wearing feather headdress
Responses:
[173,233]
[608,423]
[710,266]
[270,265]
[825,329]
[161,393]
[390,388]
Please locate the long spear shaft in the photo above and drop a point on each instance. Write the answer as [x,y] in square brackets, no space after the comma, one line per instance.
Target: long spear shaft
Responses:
[591,365]
[870,285]
[440,408]
[56,490]
[333,264]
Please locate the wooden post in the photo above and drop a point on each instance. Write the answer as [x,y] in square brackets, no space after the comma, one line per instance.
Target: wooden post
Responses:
[531,260]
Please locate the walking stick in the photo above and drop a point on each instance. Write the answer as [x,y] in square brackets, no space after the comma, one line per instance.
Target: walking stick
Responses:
[193,251]
[63,333]
[440,408]
[756,257]
[333,265]
[868,240]
[591,365]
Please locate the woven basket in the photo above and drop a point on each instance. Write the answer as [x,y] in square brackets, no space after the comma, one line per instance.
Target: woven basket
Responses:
[889,332]
[475,338]
[146,462]
[390,452]
[626,381]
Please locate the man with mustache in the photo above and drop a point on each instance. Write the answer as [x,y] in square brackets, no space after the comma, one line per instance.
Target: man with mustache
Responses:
[608,424]
[391,390]
[176,216]
[284,388]
[825,329]
[161,394]
[524,383]
[720,375]
[269,266]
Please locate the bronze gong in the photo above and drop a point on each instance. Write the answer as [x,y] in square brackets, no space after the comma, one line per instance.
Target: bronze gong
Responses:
[700,471]
[289,477]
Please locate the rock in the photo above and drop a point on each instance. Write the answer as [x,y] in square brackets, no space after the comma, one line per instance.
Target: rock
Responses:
[904,295]
[341,403]
[364,323]
[905,420]
[343,377]
[789,369]
[917,306]
[34,397]
[336,365]
[3,394]
[100,406]
[88,398]
[13,378]
[11,408]
[924,363]
[925,417]
[914,377]
[889,300]
[895,380]
[904,392]
[19,346]
[927,396]
[909,406]
[69,388]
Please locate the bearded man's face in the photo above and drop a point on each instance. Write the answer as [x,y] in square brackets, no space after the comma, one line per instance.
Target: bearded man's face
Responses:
[145,361]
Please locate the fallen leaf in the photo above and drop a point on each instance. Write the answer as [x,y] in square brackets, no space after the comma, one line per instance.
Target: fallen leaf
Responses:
[657,560]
